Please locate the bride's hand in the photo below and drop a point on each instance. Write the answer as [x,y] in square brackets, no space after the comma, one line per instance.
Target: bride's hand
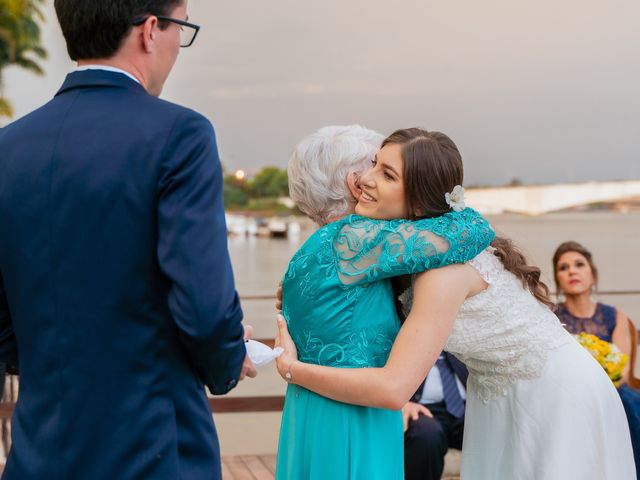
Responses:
[290,353]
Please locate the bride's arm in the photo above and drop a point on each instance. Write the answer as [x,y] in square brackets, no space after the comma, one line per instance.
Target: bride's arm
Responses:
[438,295]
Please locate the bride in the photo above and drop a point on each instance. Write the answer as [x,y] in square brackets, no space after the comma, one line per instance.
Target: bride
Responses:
[539,406]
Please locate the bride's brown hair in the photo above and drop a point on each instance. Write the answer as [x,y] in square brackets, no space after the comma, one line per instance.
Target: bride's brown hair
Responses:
[432,166]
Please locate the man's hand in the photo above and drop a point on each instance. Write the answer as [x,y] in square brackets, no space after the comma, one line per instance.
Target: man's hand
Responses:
[248,368]
[279,298]
[412,410]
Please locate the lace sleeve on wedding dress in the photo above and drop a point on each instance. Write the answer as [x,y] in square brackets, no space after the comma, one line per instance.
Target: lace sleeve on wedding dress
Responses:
[370,250]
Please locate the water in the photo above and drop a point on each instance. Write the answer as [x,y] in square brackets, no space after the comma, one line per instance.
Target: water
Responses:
[259,263]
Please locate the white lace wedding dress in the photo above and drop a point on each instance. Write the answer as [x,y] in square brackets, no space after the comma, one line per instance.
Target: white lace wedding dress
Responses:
[539,407]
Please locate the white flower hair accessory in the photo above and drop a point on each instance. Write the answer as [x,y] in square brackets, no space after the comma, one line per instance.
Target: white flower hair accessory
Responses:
[455,199]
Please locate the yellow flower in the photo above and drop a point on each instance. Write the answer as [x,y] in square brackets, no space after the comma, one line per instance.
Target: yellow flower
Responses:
[607,354]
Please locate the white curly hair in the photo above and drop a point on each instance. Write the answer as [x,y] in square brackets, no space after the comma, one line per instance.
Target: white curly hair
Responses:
[319,166]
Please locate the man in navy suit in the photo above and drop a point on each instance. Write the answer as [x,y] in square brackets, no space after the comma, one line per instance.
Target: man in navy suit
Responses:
[434,419]
[117,299]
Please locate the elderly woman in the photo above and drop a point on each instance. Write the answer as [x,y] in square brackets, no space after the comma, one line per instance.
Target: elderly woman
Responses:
[337,293]
[576,277]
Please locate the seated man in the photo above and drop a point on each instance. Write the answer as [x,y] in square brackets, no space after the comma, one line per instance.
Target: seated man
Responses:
[434,419]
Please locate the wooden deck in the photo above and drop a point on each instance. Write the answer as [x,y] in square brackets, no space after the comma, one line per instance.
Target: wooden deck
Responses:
[258,467]
[249,467]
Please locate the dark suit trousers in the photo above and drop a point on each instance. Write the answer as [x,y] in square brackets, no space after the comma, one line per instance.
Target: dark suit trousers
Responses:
[427,440]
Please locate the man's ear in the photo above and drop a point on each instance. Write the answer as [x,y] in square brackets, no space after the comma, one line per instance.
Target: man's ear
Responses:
[149,31]
[353,182]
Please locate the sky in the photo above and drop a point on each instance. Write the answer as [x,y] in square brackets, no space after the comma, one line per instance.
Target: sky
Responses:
[545,91]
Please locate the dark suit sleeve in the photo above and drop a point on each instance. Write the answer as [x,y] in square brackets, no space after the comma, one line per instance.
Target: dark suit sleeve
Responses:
[8,344]
[192,251]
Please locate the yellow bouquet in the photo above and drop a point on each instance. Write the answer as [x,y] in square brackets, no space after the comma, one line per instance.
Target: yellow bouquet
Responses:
[607,354]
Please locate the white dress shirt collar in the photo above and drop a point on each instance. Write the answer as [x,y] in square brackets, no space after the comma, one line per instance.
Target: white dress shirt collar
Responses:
[106,68]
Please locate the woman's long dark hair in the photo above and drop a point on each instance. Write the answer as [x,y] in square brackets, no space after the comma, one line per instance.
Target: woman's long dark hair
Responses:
[433,167]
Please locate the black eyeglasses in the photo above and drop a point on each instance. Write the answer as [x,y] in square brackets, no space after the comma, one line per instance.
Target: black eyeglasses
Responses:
[188,31]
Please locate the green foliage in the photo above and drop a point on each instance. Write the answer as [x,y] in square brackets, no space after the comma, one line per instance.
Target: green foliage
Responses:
[20,40]
[270,182]
[234,196]
[235,191]
[268,206]
[5,108]
[260,193]
[240,183]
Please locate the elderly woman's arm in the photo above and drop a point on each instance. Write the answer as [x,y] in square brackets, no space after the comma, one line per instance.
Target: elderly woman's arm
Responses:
[439,294]
[370,250]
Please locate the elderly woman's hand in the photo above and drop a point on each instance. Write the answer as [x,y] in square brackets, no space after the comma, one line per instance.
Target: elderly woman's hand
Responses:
[290,354]
[279,298]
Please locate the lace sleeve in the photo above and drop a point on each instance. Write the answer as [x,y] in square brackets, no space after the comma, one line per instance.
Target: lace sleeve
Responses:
[369,250]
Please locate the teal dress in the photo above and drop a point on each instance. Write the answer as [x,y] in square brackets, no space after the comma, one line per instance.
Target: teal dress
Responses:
[338,302]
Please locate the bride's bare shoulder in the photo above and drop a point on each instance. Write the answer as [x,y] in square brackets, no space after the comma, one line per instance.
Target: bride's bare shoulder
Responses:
[459,277]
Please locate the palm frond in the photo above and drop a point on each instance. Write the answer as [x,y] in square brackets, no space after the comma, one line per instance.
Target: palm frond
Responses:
[20,34]
[5,108]
[39,52]
[37,10]
[28,64]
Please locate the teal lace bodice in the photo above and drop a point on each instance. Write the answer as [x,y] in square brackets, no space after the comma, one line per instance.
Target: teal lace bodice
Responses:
[337,297]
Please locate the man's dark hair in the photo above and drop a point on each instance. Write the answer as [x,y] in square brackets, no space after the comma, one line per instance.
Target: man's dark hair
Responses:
[96,28]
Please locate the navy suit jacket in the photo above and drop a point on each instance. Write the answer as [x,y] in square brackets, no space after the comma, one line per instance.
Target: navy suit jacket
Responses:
[117,299]
[458,368]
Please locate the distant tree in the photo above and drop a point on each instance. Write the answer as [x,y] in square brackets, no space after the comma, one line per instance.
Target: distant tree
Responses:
[234,196]
[515,182]
[20,42]
[270,182]
[241,183]
[235,191]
